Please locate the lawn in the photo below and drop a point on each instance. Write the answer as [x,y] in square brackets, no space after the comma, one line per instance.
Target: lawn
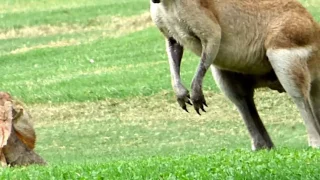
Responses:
[95,77]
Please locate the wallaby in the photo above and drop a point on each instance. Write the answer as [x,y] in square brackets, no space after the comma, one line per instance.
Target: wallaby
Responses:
[248,44]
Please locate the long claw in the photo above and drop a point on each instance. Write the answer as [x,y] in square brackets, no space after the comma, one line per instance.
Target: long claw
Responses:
[198,112]
[185,108]
[203,109]
[189,102]
[204,103]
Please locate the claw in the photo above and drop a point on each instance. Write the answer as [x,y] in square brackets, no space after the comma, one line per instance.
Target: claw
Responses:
[203,109]
[189,102]
[198,112]
[204,103]
[185,108]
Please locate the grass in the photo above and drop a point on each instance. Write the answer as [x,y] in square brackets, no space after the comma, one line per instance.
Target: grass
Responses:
[96,80]
[72,67]
[127,128]
[225,164]
[84,14]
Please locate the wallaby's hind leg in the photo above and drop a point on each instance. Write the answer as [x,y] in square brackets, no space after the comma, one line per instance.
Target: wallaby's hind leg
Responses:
[290,66]
[240,91]
[315,101]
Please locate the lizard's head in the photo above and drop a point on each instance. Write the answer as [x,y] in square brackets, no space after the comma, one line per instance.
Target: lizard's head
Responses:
[156,1]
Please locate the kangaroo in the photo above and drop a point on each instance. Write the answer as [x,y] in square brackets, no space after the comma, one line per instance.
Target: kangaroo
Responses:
[247,44]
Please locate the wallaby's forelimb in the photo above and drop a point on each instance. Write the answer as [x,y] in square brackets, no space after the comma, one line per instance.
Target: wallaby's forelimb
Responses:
[211,43]
[207,32]
[175,53]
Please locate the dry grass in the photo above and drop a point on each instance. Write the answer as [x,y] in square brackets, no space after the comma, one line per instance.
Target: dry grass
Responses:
[11,6]
[156,111]
[113,26]
[51,44]
[122,26]
[101,26]
[158,122]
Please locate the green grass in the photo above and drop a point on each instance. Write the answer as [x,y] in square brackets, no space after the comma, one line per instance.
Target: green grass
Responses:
[117,118]
[224,164]
[23,72]
[84,14]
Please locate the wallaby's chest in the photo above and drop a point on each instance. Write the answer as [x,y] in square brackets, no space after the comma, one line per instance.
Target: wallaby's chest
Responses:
[174,23]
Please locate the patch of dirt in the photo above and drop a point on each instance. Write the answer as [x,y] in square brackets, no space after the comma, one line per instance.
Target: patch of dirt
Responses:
[51,44]
[160,110]
[111,26]
[122,26]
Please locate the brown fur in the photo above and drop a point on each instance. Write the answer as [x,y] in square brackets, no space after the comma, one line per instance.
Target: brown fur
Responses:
[21,142]
[28,141]
[23,126]
[248,44]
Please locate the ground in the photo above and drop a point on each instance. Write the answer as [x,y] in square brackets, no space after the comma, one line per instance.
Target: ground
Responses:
[95,77]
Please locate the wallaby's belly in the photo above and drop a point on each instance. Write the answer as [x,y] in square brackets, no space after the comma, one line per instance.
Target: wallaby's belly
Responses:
[242,58]
[236,53]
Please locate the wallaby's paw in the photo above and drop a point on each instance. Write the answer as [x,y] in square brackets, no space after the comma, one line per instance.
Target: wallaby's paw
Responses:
[183,101]
[198,101]
[183,97]
[314,143]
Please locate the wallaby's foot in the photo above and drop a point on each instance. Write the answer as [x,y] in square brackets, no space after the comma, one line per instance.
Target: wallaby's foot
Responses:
[198,100]
[314,143]
[259,145]
[183,97]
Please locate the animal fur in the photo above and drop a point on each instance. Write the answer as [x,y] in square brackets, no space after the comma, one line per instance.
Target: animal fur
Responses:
[247,44]
[19,148]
